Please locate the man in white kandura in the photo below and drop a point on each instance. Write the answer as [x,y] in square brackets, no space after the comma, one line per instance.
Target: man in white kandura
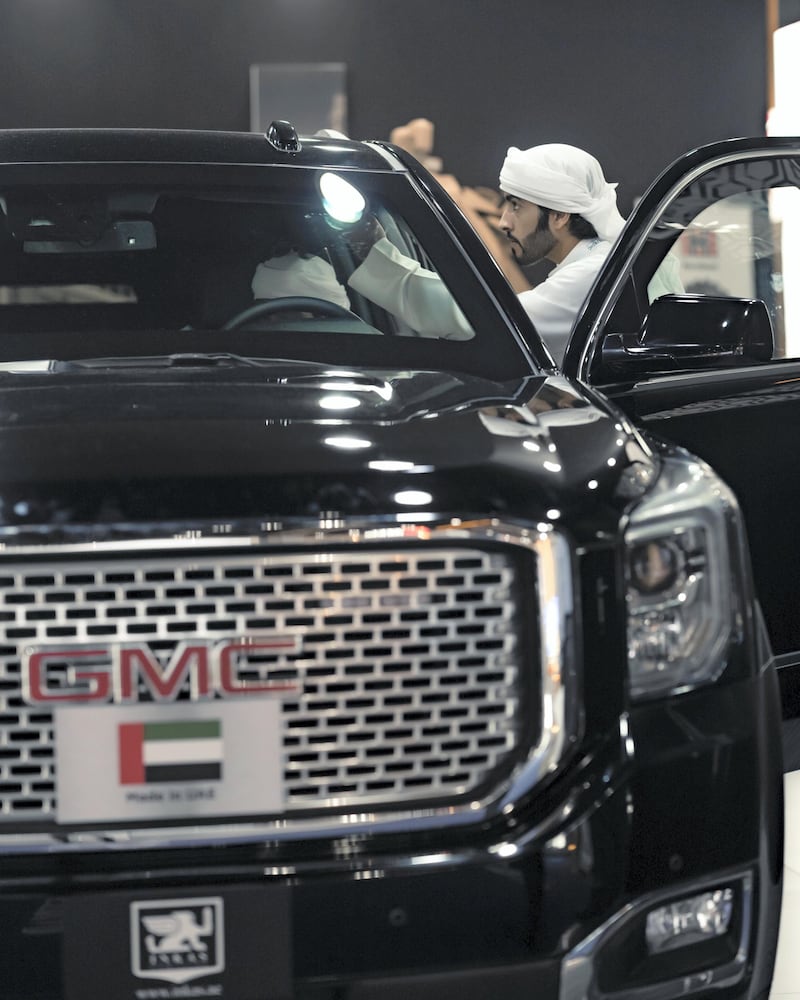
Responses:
[558,206]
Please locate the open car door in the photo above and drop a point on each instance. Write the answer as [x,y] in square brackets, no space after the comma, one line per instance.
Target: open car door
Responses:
[693,329]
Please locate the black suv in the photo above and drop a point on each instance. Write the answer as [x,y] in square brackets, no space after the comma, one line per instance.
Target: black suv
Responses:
[345,657]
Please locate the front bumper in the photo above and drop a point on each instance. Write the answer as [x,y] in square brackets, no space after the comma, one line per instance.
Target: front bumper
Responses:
[551,905]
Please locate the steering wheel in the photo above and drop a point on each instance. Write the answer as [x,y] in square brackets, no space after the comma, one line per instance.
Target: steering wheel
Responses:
[291,303]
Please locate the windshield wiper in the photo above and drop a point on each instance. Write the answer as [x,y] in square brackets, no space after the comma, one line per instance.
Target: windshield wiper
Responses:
[188,360]
[219,359]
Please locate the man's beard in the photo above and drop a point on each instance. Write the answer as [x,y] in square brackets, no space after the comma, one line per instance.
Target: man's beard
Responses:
[536,246]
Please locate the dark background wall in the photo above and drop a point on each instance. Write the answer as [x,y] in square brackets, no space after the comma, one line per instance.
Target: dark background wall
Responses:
[636,82]
[788,11]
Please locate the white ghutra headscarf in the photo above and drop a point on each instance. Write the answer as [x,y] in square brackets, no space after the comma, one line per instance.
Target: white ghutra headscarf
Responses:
[293,274]
[566,179]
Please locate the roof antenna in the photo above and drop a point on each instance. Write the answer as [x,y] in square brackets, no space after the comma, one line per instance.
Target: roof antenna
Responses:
[283,136]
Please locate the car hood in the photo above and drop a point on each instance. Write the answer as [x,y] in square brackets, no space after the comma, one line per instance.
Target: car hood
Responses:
[296,441]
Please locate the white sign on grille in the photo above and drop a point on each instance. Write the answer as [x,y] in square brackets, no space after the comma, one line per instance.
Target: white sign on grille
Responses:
[169,762]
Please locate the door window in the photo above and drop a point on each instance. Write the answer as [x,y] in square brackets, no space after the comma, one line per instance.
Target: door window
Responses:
[742,246]
[733,232]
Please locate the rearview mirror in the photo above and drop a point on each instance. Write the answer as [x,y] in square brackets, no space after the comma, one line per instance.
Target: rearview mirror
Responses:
[687,332]
[127,234]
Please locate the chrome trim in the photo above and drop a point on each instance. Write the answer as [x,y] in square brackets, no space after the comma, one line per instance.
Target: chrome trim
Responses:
[578,966]
[688,178]
[556,595]
[556,620]
[787,660]
[136,544]
[393,162]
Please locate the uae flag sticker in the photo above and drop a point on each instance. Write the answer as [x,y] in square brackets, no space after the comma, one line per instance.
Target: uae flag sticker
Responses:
[151,752]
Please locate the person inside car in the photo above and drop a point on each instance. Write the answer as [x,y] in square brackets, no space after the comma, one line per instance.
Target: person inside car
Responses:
[293,274]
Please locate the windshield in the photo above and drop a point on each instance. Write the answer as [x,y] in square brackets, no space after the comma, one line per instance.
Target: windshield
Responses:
[120,260]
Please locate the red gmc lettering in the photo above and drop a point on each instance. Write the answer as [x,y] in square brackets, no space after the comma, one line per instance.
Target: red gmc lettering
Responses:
[35,681]
[121,673]
[164,683]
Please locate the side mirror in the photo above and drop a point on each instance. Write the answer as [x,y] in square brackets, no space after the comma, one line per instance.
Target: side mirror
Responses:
[689,332]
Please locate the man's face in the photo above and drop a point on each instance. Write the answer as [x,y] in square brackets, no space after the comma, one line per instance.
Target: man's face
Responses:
[528,229]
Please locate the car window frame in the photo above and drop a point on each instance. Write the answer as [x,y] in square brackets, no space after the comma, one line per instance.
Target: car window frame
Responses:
[581,358]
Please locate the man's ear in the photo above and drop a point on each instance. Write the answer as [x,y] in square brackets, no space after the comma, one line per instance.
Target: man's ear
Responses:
[559,220]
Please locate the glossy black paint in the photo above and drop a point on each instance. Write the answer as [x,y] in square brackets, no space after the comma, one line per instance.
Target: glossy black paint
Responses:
[743,422]
[740,423]
[373,915]
[177,146]
[646,802]
[85,440]
[683,332]
[366,924]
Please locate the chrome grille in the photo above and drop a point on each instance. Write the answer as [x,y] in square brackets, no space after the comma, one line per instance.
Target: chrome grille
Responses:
[409,666]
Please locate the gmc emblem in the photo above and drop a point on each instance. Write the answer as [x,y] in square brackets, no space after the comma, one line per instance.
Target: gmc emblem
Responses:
[120,673]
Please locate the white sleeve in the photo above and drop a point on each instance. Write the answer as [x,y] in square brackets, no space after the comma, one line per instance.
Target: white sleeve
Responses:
[403,287]
[553,305]
[667,279]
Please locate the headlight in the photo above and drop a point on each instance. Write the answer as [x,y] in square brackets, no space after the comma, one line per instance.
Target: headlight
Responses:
[681,598]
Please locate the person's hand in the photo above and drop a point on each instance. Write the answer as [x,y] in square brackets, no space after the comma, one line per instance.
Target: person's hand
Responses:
[362,237]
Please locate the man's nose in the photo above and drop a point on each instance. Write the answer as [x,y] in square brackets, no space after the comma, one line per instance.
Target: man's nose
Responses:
[504,223]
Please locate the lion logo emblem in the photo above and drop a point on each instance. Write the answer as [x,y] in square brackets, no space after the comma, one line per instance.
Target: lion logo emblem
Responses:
[177,939]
